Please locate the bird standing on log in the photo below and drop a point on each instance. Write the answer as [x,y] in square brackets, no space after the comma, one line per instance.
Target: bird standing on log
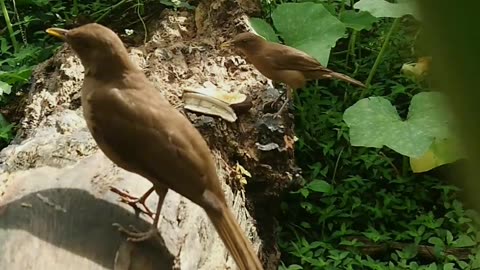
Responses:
[143,133]
[281,63]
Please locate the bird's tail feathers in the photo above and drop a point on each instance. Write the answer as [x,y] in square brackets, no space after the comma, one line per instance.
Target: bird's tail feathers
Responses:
[346,78]
[234,239]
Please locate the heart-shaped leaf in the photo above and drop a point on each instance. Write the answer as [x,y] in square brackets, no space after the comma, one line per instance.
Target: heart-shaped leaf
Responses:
[308,27]
[374,122]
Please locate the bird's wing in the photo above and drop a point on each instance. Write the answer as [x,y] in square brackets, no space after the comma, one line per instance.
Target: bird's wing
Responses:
[284,57]
[146,135]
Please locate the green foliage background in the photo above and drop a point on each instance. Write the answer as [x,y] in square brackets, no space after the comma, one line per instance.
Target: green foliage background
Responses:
[354,197]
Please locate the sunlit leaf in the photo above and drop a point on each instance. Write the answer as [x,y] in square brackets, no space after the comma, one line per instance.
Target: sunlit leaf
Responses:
[308,27]
[441,152]
[5,88]
[374,122]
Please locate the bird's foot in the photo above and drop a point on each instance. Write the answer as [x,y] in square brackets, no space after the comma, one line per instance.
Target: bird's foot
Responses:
[135,235]
[133,201]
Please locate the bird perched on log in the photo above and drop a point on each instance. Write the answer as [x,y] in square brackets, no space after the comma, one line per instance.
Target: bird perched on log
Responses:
[140,131]
[281,63]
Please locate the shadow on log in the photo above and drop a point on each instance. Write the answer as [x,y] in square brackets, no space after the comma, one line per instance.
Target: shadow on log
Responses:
[80,225]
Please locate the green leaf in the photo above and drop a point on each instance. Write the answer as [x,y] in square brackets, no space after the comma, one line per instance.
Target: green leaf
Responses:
[476,261]
[263,29]
[305,225]
[357,20]
[4,45]
[382,8]
[374,122]
[308,27]
[5,129]
[304,192]
[449,237]
[5,88]
[6,132]
[436,242]
[448,266]
[319,186]
[294,267]
[463,241]
[3,121]
[428,110]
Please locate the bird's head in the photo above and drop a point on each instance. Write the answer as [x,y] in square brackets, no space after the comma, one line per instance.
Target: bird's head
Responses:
[95,45]
[245,42]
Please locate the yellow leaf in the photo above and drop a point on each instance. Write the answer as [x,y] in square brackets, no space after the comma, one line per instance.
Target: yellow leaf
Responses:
[440,152]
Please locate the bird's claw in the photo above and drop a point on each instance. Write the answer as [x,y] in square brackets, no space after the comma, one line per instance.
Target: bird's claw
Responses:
[135,235]
[133,201]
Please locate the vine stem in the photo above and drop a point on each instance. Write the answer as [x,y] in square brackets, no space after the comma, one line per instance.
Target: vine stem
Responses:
[9,25]
[380,56]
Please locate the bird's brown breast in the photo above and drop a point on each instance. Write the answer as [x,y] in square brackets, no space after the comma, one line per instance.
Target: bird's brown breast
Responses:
[141,132]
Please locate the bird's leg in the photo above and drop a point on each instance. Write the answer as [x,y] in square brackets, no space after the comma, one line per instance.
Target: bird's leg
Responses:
[289,92]
[137,236]
[133,201]
[274,103]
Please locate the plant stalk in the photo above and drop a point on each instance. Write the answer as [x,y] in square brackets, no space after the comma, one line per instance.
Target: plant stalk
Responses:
[380,56]
[9,26]
[351,46]
[75,7]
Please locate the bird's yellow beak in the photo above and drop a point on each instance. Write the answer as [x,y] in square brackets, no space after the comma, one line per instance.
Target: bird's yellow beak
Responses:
[226,45]
[57,32]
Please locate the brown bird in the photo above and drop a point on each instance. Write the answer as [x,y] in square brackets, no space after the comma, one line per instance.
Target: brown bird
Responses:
[281,63]
[140,131]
